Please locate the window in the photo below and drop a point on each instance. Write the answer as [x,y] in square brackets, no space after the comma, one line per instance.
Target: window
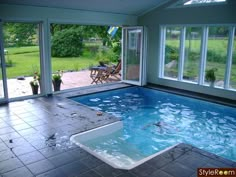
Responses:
[192,53]
[133,40]
[217,52]
[233,67]
[188,52]
[191,2]
[172,45]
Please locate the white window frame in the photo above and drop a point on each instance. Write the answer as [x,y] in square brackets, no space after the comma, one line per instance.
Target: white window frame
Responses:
[203,53]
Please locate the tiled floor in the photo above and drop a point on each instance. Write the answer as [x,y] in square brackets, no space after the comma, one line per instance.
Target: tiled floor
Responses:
[34,141]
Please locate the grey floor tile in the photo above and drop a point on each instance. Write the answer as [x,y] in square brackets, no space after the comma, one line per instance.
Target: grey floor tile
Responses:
[10,136]
[31,157]
[5,155]
[20,150]
[15,122]
[127,174]
[3,146]
[91,161]
[74,169]
[50,151]
[79,153]
[159,173]
[158,161]
[217,164]
[61,159]
[143,170]
[10,164]
[178,170]
[16,142]
[40,167]
[3,124]
[36,123]
[53,173]
[108,171]
[28,131]
[193,160]
[19,172]
[21,126]
[90,173]
[6,130]
[39,144]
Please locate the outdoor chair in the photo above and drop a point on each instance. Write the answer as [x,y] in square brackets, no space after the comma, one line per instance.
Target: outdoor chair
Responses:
[97,76]
[107,73]
[116,70]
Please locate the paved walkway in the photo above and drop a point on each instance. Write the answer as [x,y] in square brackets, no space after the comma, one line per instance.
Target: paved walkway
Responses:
[18,88]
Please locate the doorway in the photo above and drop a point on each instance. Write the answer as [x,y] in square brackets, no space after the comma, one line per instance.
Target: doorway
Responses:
[21,59]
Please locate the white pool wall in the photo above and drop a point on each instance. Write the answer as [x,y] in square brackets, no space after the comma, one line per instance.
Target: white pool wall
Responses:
[78,139]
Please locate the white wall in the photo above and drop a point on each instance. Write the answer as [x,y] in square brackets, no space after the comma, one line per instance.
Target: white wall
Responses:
[214,14]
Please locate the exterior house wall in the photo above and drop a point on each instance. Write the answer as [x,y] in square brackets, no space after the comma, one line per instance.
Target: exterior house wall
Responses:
[212,14]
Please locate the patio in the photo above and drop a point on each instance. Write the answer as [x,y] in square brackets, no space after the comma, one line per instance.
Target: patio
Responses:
[17,88]
[34,141]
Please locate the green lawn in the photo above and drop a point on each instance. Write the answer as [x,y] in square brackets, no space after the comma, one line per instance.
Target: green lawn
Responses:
[219,47]
[26,61]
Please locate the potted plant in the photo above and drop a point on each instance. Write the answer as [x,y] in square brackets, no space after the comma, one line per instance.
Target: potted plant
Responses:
[210,76]
[35,84]
[56,80]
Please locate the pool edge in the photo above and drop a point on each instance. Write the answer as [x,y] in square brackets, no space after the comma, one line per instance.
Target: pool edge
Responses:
[118,125]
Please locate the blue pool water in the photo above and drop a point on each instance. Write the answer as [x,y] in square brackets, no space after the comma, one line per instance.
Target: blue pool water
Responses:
[154,120]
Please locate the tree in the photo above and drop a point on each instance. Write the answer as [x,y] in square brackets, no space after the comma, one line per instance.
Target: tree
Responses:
[67,43]
[20,34]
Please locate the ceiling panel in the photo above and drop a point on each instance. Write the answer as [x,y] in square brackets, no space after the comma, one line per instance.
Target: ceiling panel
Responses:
[129,7]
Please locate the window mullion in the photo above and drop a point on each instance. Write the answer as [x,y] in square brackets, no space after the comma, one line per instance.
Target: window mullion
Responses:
[181,56]
[202,65]
[162,52]
[229,58]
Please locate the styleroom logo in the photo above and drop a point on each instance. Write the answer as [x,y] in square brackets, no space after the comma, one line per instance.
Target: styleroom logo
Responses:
[216,172]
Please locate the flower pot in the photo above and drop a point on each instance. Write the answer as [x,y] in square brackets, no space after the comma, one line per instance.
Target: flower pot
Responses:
[35,89]
[57,85]
[212,83]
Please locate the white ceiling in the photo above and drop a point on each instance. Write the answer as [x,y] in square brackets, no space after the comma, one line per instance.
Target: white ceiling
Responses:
[129,7]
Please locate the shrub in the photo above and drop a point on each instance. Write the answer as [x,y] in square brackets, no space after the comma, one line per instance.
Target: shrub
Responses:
[9,63]
[67,43]
[172,53]
[214,56]
[210,75]
[106,55]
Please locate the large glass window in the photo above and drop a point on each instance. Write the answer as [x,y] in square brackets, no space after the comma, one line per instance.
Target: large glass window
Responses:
[217,53]
[233,67]
[172,45]
[201,52]
[192,53]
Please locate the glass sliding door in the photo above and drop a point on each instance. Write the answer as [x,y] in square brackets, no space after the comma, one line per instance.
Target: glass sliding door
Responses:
[133,48]
[2,95]
[22,58]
